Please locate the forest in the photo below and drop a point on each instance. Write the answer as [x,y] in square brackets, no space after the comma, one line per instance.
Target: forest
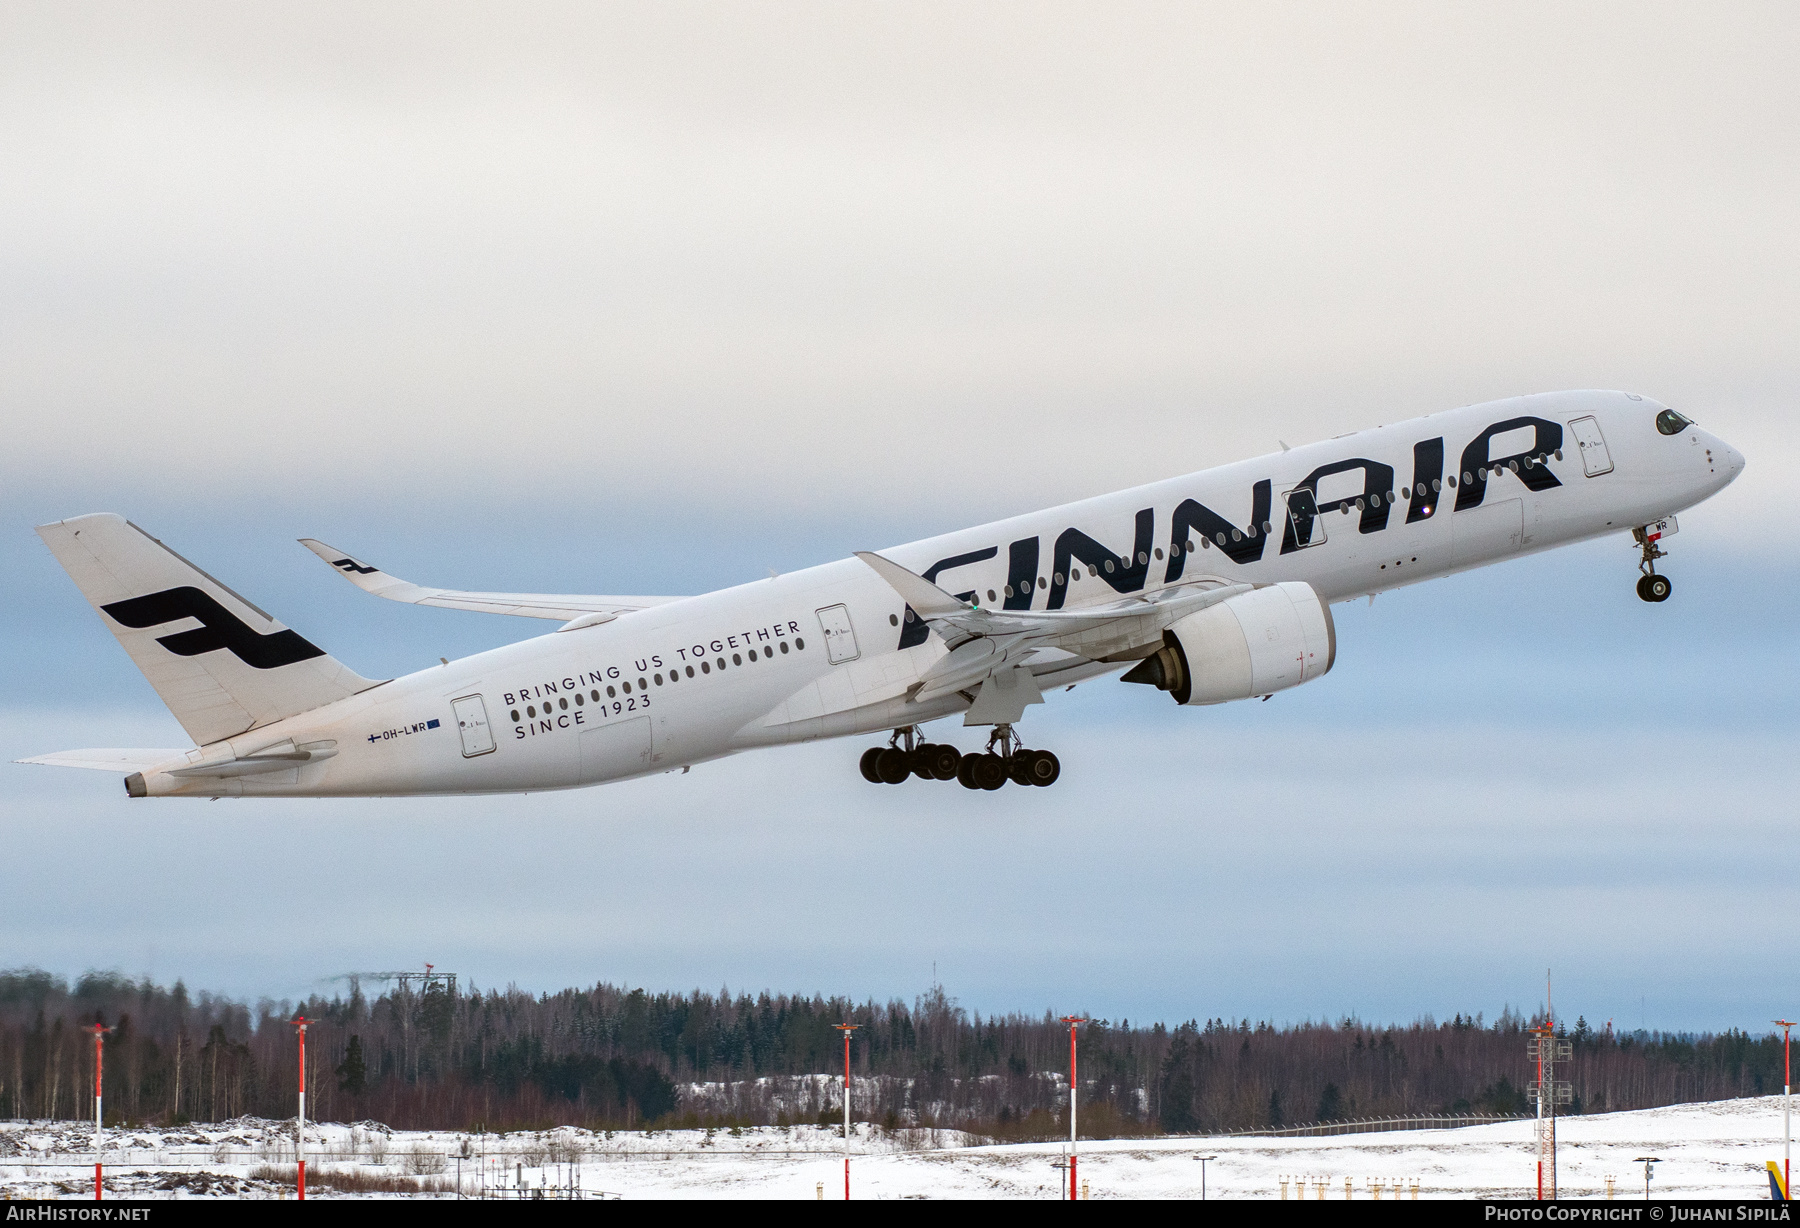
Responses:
[438,1056]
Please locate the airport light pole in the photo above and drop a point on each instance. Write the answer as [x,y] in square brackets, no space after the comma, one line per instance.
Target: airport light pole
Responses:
[99,1031]
[300,1022]
[1074,1095]
[846,1029]
[1646,1161]
[1203,1160]
[1787,1106]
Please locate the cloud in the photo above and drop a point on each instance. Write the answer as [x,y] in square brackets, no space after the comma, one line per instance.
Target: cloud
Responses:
[796,254]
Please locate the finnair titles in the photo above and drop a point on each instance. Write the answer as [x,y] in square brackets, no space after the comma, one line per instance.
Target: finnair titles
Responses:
[1212,587]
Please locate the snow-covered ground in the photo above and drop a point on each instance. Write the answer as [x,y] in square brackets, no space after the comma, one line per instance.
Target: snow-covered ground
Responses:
[1715,1150]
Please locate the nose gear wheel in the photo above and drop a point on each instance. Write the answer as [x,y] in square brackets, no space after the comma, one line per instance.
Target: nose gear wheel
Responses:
[1650,586]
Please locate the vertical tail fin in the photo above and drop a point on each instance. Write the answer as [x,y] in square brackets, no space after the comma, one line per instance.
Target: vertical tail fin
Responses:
[222,665]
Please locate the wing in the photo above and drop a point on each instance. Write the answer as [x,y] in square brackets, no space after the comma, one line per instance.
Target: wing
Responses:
[986,642]
[107,760]
[562,607]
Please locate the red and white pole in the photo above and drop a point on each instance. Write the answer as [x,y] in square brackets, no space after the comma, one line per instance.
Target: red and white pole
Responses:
[846,1029]
[99,1063]
[300,1022]
[1540,1110]
[1072,1020]
[1787,1106]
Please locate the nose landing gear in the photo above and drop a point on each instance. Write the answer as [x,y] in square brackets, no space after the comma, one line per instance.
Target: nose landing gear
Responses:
[905,755]
[1650,586]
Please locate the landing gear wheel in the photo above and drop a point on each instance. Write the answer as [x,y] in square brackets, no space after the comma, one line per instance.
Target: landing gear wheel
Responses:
[1044,770]
[944,761]
[989,772]
[867,765]
[1657,588]
[919,762]
[1018,768]
[965,772]
[891,765]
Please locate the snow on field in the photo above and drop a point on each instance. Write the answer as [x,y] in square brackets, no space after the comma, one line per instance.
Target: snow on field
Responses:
[1714,1150]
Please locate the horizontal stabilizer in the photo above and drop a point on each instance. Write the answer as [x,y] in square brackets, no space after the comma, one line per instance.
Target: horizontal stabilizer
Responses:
[221,664]
[562,607]
[107,760]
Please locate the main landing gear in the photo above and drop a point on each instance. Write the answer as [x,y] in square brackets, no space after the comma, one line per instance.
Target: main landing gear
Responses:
[906,756]
[1650,586]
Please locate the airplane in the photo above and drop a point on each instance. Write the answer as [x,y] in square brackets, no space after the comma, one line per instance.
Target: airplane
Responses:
[1214,587]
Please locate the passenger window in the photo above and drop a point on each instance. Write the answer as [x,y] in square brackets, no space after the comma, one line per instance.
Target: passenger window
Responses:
[643,684]
[991,596]
[530,710]
[690,671]
[563,704]
[784,645]
[626,686]
[736,659]
[610,693]
[579,699]
[515,714]
[799,644]
[705,668]
[658,678]
[720,663]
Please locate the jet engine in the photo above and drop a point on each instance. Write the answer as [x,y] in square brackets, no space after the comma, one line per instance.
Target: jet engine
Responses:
[1257,643]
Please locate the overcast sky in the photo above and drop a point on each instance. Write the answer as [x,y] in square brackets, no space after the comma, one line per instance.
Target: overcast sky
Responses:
[653,298]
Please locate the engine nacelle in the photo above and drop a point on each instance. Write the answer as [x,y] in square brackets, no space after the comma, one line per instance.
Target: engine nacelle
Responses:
[1257,643]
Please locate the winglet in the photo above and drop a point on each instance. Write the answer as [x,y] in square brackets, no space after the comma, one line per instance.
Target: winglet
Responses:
[366,576]
[926,598]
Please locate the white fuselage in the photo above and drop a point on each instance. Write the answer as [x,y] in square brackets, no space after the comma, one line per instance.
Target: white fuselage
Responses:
[666,687]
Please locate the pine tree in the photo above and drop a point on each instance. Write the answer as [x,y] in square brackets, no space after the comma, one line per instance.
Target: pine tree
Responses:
[1331,1104]
[351,1074]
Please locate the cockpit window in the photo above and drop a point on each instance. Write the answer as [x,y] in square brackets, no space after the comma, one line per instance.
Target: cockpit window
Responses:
[1671,423]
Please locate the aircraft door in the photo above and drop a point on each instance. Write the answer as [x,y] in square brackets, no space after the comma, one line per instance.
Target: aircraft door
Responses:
[472,724]
[1595,459]
[1305,526]
[840,639]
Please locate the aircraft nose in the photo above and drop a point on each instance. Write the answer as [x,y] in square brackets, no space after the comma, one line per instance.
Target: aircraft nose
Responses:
[1727,461]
